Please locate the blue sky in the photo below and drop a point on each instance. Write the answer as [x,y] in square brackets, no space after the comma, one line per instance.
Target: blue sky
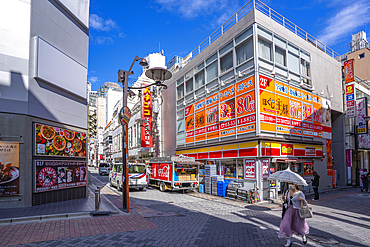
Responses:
[120,30]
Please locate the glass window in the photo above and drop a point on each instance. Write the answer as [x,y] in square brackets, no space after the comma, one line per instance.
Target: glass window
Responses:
[264,49]
[244,35]
[119,168]
[362,55]
[189,74]
[244,51]
[226,48]
[199,67]
[181,125]
[211,71]
[189,86]
[180,114]
[180,81]
[293,62]
[240,167]
[229,168]
[199,79]
[280,56]
[226,62]
[210,59]
[180,91]
[136,169]
[305,68]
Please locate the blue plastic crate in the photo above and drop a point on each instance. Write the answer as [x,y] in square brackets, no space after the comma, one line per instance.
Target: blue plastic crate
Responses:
[201,188]
[176,176]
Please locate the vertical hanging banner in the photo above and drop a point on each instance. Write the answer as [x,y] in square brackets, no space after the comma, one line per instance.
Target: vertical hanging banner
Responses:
[329,158]
[9,168]
[146,113]
[361,113]
[350,101]
[349,71]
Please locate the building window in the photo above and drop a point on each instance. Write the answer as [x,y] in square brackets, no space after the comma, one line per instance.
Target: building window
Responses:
[362,55]
[240,169]
[265,49]
[229,166]
[226,62]
[199,79]
[180,91]
[244,51]
[189,86]
[305,68]
[211,71]
[293,62]
[280,56]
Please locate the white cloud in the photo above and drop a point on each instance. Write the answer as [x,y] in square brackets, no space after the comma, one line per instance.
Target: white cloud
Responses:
[101,40]
[100,24]
[93,79]
[193,8]
[345,22]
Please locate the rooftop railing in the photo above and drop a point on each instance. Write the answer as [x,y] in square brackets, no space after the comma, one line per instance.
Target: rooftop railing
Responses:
[264,9]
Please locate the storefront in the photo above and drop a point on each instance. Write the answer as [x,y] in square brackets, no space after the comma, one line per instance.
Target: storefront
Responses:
[252,162]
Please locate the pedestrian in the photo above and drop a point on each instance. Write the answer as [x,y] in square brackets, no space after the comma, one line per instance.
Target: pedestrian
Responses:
[315,185]
[363,176]
[292,223]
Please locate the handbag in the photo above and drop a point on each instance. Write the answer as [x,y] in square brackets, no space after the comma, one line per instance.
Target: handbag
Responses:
[305,212]
[285,206]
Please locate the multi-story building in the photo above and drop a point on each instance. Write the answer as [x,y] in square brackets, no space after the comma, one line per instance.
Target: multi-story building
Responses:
[356,86]
[257,96]
[44,60]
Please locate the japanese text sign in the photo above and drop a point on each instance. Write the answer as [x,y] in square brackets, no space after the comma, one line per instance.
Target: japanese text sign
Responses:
[146,113]
[349,74]
[9,168]
[250,169]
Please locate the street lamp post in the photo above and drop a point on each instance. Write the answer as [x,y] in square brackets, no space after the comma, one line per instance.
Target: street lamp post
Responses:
[158,75]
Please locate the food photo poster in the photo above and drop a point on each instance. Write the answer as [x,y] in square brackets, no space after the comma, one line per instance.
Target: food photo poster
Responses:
[54,141]
[57,174]
[9,168]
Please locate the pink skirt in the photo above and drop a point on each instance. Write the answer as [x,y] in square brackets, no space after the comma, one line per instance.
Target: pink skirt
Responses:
[293,224]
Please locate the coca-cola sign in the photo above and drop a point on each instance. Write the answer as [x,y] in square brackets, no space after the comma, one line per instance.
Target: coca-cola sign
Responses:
[161,171]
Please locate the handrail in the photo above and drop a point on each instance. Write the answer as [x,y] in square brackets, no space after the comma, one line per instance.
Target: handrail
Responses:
[272,14]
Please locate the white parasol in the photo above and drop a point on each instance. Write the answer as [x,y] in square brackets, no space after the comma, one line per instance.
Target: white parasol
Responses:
[288,176]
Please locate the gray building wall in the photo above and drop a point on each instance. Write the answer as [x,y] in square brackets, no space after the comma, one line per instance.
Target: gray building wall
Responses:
[24,99]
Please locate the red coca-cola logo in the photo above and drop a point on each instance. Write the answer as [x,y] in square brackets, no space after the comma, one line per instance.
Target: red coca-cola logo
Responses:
[47,177]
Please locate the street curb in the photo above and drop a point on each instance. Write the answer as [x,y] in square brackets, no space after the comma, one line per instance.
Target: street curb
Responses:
[106,201]
[44,217]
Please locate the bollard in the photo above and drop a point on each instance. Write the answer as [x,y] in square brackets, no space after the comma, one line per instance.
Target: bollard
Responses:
[97,198]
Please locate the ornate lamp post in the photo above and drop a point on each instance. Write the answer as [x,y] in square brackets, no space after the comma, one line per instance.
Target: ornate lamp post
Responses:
[158,75]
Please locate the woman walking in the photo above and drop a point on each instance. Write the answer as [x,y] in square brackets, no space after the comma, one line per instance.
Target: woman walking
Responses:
[315,185]
[292,223]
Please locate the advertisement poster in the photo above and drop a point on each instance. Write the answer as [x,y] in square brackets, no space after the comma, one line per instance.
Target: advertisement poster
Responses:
[361,113]
[146,113]
[57,174]
[308,168]
[53,141]
[250,169]
[265,168]
[9,168]
[329,157]
[161,171]
[285,109]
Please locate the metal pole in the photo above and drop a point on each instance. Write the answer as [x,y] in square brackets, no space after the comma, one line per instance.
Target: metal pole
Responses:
[356,147]
[125,189]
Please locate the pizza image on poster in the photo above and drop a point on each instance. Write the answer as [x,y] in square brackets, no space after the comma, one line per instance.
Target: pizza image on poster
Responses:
[57,174]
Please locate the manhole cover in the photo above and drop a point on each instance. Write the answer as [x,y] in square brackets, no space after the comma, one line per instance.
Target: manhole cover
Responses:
[323,239]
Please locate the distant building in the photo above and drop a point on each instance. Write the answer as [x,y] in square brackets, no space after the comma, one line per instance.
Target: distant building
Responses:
[102,91]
